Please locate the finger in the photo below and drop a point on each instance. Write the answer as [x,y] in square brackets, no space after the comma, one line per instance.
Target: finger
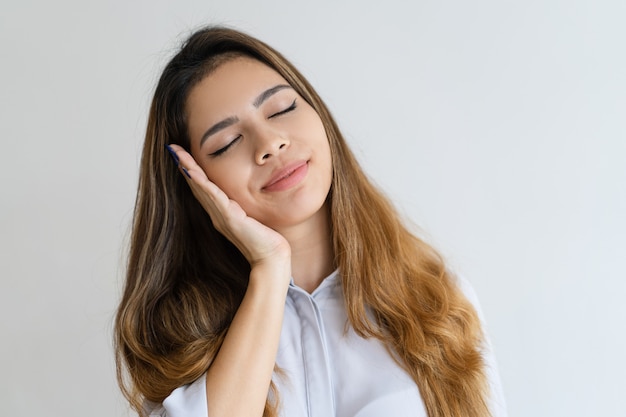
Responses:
[184,161]
[206,192]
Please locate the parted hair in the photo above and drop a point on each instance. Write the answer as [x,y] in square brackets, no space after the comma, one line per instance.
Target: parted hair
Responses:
[185,281]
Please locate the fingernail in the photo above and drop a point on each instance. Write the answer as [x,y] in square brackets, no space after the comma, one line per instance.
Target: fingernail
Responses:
[186,172]
[172,154]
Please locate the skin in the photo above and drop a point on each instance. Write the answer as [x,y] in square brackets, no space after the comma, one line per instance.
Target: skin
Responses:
[281,232]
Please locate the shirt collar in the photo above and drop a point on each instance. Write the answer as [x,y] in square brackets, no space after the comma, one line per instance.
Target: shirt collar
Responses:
[329,282]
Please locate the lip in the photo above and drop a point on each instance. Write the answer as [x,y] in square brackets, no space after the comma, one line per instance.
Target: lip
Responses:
[287,177]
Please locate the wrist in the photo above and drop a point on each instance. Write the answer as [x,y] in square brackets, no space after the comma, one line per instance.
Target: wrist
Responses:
[271,275]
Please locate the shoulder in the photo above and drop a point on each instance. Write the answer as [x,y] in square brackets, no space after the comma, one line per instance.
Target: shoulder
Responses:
[468,291]
[497,402]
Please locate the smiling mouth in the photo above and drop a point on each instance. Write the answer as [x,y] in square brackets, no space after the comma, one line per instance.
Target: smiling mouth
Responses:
[288,177]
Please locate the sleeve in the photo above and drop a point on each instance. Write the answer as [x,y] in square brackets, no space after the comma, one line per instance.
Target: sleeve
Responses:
[497,404]
[186,401]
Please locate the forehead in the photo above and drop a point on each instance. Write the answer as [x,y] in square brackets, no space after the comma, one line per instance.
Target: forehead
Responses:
[234,83]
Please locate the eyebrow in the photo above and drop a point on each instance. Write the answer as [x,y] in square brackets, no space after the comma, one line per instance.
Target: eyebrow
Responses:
[268,93]
[229,121]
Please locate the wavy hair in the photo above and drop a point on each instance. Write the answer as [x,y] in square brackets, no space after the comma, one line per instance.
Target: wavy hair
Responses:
[185,281]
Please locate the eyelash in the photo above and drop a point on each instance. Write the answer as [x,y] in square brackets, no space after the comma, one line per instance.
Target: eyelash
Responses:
[220,151]
[287,110]
[225,148]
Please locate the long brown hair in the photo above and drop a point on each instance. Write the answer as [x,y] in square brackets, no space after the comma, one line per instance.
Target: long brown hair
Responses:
[185,281]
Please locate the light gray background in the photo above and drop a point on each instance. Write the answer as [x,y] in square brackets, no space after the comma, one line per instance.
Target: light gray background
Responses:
[498,127]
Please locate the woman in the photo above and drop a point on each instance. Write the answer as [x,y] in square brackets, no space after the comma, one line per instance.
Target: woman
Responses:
[267,276]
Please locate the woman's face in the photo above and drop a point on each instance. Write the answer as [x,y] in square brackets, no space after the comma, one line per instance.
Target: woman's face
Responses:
[260,142]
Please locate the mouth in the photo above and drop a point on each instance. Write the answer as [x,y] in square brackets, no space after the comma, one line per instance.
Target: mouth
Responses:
[287,177]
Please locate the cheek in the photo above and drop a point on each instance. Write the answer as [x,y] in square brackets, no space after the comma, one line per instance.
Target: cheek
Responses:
[232,181]
[323,146]
[314,128]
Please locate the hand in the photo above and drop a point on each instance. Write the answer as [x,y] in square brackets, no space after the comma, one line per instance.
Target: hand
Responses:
[259,244]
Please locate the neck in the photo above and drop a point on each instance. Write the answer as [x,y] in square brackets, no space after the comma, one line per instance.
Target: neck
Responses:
[312,257]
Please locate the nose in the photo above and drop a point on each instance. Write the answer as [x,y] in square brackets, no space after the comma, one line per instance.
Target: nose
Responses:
[269,144]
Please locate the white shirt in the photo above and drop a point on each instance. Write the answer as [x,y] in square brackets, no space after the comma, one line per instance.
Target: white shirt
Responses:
[329,370]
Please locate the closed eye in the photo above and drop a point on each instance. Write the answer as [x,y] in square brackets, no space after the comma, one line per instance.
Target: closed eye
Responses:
[225,148]
[287,110]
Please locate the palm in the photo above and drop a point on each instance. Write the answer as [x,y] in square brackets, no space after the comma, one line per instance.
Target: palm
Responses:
[257,242]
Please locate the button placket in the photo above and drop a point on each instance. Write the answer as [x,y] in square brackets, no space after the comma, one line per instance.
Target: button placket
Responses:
[320,401]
